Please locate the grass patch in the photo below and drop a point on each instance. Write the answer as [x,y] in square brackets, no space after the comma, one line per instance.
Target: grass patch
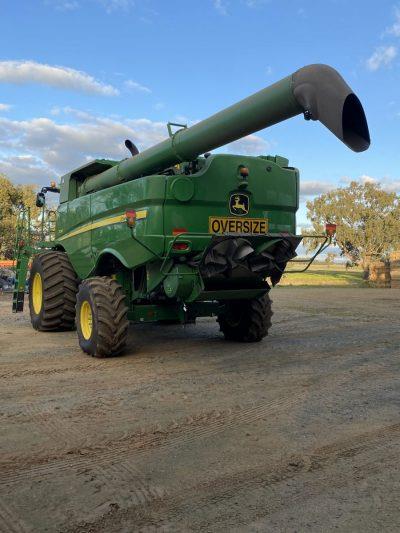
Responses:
[325,275]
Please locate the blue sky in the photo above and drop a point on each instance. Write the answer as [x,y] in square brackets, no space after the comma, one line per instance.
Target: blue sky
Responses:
[77,77]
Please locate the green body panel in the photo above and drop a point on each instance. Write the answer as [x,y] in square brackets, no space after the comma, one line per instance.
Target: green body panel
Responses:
[174,312]
[71,183]
[86,248]
[71,216]
[145,194]
[273,193]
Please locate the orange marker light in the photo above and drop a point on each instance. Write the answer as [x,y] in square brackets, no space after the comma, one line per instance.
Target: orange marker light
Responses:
[130,215]
[330,229]
[179,231]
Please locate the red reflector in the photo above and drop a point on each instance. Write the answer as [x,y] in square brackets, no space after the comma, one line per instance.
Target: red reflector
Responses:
[130,215]
[179,231]
[180,246]
[330,229]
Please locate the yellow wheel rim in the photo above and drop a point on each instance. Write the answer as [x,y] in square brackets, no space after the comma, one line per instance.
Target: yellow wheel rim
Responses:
[37,293]
[86,320]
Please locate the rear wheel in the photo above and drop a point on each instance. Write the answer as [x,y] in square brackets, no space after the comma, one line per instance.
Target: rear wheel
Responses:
[246,320]
[101,317]
[53,285]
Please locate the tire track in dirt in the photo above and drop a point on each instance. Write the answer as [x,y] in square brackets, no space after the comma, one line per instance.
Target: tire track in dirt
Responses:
[10,521]
[55,428]
[104,403]
[248,485]
[174,434]
[113,365]
[151,377]
[354,445]
[113,475]
[308,464]
[185,432]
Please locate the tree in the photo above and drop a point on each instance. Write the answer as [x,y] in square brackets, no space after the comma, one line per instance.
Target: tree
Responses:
[367,218]
[11,198]
[330,258]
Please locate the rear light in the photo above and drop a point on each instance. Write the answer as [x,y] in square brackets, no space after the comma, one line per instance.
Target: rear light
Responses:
[180,246]
[330,229]
[179,231]
[243,171]
[130,215]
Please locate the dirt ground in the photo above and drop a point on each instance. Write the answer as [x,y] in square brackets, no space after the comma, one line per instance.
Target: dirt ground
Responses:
[187,432]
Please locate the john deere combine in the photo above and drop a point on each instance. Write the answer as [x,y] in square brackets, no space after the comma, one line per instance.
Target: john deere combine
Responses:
[174,233]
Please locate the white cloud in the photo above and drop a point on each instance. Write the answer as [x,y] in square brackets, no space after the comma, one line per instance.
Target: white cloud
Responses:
[387,184]
[5,107]
[364,178]
[116,5]
[71,111]
[55,148]
[314,188]
[26,169]
[135,86]
[64,5]
[382,56]
[395,28]
[254,3]
[250,145]
[23,72]
[221,6]
[109,5]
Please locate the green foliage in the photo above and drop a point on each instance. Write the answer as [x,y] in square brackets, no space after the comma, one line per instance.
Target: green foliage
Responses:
[11,197]
[330,258]
[367,218]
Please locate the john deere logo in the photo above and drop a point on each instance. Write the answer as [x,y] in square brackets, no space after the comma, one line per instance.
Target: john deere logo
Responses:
[239,204]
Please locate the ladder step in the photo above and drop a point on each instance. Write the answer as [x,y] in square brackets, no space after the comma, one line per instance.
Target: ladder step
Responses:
[18,302]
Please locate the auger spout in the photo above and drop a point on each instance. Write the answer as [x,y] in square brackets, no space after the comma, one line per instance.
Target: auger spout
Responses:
[317,91]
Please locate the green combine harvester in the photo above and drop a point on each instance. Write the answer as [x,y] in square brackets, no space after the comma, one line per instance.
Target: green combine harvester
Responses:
[175,233]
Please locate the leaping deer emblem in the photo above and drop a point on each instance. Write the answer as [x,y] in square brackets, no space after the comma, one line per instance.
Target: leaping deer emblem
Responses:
[239,205]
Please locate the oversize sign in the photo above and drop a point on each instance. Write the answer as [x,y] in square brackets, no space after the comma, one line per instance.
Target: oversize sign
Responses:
[247,226]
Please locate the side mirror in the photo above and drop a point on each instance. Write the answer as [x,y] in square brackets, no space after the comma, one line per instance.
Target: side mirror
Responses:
[40,199]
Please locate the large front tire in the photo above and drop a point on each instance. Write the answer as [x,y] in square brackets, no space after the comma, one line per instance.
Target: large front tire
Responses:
[101,317]
[246,320]
[53,285]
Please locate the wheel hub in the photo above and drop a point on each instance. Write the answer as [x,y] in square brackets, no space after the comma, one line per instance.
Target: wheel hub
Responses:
[86,320]
[37,293]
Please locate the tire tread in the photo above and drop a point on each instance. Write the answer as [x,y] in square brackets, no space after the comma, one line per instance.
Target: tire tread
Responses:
[253,321]
[111,316]
[60,286]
